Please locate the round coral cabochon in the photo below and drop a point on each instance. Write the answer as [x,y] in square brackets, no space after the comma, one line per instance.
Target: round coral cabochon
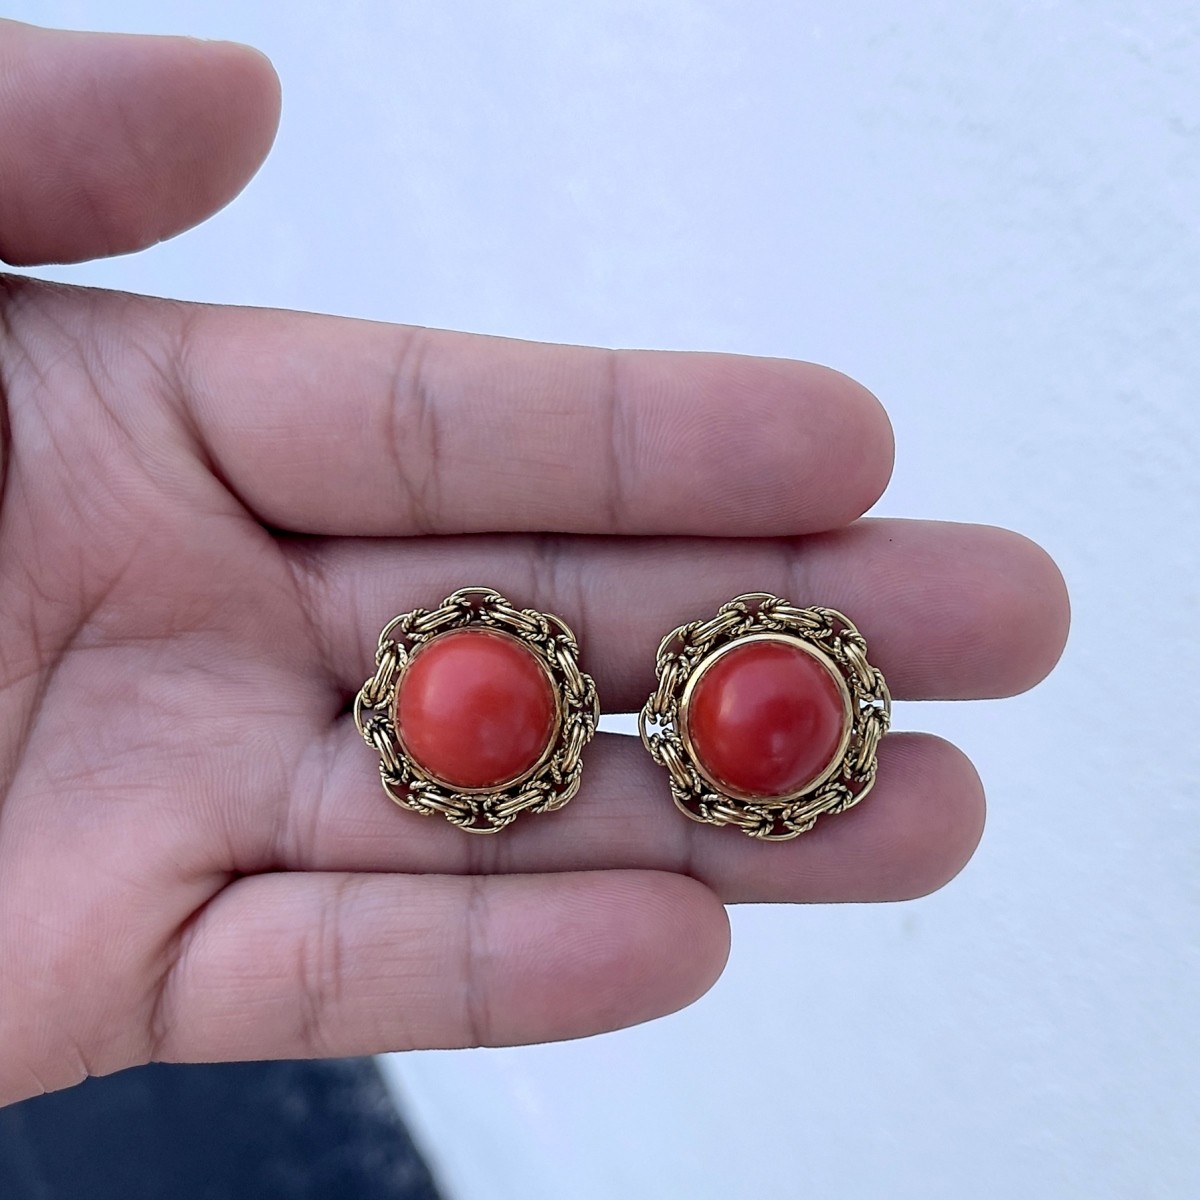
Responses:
[765,718]
[476,709]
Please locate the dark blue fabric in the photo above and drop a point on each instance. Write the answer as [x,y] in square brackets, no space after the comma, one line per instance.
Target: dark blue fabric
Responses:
[259,1131]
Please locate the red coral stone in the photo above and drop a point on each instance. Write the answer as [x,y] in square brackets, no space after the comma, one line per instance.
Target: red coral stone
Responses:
[475,708]
[765,719]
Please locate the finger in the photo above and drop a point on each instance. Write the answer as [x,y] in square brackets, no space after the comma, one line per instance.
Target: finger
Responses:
[112,142]
[295,965]
[912,834]
[949,611]
[324,425]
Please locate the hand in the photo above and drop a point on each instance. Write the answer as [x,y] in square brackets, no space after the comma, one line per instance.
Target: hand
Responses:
[208,515]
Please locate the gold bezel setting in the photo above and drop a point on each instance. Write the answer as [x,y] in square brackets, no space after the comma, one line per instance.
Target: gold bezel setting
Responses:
[550,783]
[534,767]
[830,637]
[813,652]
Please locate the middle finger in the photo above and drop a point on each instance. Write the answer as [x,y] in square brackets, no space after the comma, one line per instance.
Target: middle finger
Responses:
[949,611]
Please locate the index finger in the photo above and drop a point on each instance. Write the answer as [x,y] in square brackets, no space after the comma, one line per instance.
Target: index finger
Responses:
[335,426]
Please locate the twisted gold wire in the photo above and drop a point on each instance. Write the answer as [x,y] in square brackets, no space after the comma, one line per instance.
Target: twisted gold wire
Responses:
[833,633]
[552,785]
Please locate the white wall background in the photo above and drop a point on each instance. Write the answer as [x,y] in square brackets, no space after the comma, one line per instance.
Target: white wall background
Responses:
[989,213]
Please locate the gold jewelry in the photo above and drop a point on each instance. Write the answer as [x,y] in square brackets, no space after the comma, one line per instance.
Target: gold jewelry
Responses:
[478,710]
[766,716]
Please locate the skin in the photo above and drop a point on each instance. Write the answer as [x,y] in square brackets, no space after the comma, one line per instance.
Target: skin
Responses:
[208,514]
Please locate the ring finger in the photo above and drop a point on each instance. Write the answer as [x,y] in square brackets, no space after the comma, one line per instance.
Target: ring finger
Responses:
[948,611]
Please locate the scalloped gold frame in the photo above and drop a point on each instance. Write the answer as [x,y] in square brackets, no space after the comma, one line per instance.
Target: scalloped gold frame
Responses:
[550,783]
[828,634]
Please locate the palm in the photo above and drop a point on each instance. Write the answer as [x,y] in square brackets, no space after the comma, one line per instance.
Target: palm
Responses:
[161,679]
[206,518]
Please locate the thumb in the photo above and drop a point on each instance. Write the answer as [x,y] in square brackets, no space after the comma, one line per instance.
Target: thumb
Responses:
[112,142]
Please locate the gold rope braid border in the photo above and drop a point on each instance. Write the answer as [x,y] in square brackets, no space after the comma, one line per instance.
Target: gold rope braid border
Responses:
[830,631]
[553,784]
